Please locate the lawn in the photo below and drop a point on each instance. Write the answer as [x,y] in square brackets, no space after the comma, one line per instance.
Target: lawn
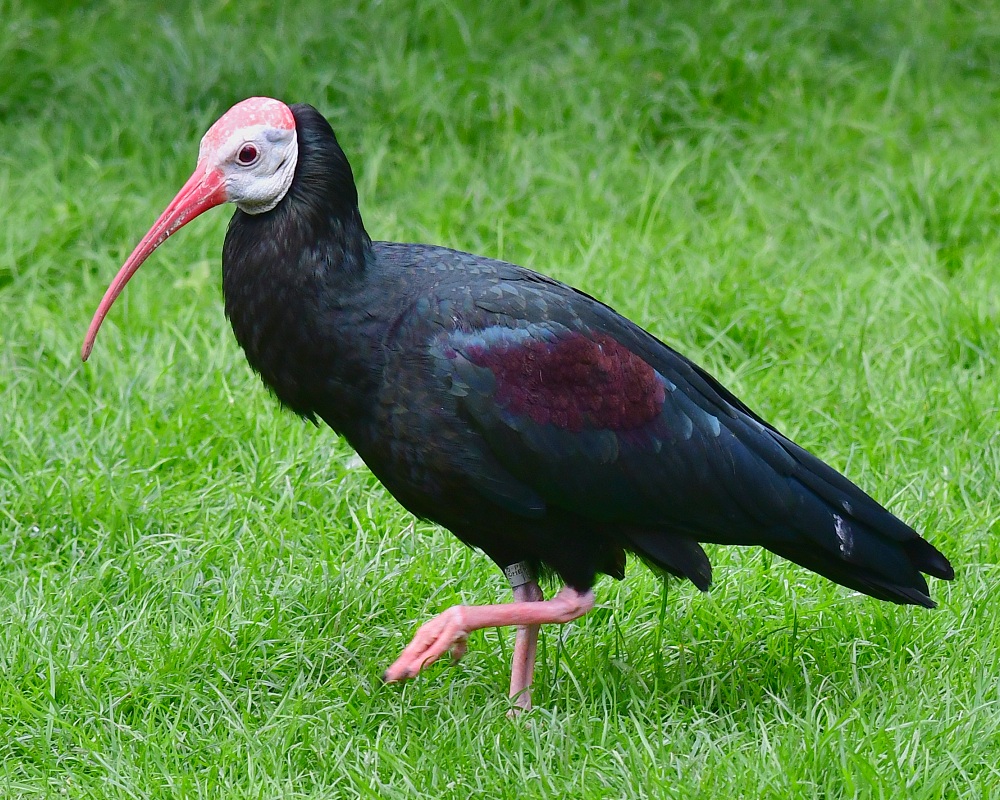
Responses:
[199,592]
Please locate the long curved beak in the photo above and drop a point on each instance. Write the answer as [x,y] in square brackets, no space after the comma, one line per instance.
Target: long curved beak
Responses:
[205,189]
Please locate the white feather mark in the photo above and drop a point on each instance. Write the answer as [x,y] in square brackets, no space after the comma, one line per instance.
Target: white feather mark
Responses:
[844,535]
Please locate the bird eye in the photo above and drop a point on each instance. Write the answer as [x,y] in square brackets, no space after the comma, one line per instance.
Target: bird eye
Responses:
[248,155]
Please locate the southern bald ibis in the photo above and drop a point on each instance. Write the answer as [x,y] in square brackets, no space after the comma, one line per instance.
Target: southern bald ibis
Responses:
[528,418]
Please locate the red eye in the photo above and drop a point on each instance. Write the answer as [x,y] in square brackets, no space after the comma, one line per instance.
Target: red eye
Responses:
[248,155]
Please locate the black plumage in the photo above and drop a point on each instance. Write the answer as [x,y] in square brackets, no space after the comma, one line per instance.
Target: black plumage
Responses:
[526,417]
[409,351]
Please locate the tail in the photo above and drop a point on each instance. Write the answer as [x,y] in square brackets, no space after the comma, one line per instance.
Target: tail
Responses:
[841,533]
[805,511]
[874,564]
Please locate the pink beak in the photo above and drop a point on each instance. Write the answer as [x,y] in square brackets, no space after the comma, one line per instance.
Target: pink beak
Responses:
[205,189]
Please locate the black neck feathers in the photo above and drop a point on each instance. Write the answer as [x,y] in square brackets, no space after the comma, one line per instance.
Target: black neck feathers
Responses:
[323,187]
[292,276]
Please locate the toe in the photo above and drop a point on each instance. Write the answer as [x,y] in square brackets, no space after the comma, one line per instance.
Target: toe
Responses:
[434,638]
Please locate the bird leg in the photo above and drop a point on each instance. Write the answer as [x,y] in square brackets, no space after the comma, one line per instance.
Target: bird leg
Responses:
[522,668]
[449,630]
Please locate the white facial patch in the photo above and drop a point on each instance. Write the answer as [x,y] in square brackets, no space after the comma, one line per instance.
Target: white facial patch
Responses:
[258,186]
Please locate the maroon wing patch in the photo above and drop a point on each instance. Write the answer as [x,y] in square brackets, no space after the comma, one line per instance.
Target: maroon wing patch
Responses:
[569,380]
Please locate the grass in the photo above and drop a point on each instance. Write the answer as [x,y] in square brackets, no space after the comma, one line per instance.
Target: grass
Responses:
[198,592]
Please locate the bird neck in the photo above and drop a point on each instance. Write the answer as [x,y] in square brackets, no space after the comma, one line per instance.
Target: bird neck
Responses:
[294,289]
[322,200]
[296,283]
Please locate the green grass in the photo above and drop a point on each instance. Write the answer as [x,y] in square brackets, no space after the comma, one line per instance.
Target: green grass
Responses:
[198,592]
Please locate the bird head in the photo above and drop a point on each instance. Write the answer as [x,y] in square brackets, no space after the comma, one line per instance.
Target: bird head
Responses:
[247,157]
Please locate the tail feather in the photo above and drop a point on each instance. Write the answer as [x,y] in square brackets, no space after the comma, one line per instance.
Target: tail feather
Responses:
[861,544]
[770,492]
[843,535]
[678,555]
[865,580]
[843,495]
[927,558]
[883,561]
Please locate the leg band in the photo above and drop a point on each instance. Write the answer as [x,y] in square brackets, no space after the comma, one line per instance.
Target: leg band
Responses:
[519,574]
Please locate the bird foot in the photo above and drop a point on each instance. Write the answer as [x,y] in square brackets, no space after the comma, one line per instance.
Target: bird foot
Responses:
[439,635]
[449,630]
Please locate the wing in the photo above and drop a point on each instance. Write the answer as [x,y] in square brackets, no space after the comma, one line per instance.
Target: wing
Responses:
[578,409]
[593,427]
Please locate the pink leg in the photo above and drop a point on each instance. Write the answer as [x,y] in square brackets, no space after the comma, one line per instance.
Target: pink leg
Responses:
[449,629]
[522,670]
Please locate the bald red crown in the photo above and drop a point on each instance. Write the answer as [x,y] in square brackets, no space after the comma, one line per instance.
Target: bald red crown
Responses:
[251,112]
